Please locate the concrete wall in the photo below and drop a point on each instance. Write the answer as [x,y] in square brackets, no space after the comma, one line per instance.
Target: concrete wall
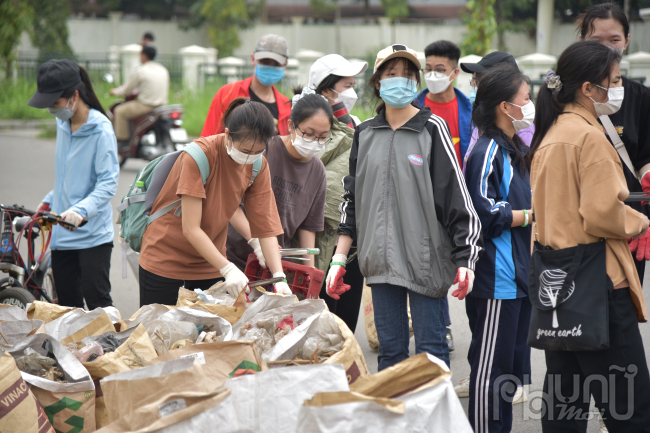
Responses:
[95,35]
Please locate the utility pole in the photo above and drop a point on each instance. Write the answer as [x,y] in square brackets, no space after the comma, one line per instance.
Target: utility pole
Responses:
[545,9]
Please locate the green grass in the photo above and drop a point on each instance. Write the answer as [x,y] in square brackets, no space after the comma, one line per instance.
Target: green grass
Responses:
[15,95]
[14,98]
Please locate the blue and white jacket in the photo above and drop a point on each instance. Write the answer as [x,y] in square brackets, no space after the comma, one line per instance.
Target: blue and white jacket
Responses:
[86,174]
[497,188]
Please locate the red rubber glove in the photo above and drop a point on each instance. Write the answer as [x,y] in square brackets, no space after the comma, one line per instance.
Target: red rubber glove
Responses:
[464,281]
[645,184]
[641,246]
[43,207]
[334,282]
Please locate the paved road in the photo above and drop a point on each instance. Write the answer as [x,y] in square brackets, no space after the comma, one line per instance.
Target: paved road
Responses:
[27,174]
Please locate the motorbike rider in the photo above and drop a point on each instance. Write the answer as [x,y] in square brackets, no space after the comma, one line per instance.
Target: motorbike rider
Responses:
[86,180]
[152,81]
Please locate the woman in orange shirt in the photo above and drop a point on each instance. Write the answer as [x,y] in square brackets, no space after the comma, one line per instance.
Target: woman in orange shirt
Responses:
[192,252]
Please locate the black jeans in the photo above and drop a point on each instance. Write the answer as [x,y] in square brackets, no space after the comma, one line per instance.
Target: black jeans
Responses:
[83,274]
[155,289]
[347,308]
[616,378]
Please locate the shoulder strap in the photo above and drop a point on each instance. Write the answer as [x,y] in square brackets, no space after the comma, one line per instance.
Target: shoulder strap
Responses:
[618,144]
[257,166]
[195,151]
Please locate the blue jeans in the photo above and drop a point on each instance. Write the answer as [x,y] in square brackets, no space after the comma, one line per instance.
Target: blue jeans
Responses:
[392,323]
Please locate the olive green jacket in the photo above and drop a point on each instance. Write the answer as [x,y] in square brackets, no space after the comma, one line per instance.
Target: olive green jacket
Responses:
[336,158]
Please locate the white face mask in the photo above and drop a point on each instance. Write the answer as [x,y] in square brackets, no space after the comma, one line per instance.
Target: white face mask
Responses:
[64,113]
[307,149]
[437,82]
[528,111]
[241,157]
[348,97]
[615,95]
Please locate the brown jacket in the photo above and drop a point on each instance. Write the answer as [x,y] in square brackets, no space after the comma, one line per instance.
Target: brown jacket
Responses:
[578,187]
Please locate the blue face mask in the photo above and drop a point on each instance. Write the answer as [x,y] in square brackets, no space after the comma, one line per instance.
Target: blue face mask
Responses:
[472,95]
[269,75]
[398,92]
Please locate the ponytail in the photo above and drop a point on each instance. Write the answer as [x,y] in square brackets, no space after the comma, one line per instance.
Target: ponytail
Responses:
[581,62]
[86,92]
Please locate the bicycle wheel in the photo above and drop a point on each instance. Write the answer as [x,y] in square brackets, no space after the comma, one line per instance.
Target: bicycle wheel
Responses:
[16,296]
[49,287]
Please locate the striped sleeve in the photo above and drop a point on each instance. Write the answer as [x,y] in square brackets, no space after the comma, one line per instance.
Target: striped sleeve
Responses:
[454,207]
[488,177]
[348,225]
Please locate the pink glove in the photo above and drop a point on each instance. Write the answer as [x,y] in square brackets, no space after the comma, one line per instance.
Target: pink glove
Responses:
[465,282]
[645,184]
[334,283]
[43,207]
[641,246]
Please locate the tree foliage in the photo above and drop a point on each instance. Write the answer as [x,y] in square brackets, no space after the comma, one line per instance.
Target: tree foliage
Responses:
[481,27]
[15,17]
[50,26]
[224,19]
[396,8]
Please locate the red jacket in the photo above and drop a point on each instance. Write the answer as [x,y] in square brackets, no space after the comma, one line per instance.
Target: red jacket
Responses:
[213,122]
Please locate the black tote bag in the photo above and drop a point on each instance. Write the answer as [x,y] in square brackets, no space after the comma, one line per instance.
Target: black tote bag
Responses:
[569,291]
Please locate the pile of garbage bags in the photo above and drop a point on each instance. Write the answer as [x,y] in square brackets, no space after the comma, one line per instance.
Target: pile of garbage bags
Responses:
[274,364]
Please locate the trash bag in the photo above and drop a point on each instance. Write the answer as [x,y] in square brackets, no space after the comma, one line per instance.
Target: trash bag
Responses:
[85,352]
[165,333]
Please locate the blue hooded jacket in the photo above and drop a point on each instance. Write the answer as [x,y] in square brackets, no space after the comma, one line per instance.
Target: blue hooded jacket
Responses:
[497,188]
[464,118]
[86,173]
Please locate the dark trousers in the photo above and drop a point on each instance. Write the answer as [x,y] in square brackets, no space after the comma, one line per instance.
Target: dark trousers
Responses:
[155,289]
[616,378]
[447,316]
[347,308]
[83,274]
[498,357]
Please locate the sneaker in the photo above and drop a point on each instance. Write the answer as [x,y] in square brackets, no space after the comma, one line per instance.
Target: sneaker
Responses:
[462,389]
[520,396]
[450,339]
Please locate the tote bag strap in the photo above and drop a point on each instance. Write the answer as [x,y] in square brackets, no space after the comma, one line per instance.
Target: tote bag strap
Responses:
[573,269]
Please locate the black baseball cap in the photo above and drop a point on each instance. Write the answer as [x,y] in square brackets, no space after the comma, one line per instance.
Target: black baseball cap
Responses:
[488,61]
[54,77]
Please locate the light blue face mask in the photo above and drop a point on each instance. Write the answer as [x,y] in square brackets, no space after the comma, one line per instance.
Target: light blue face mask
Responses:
[269,75]
[398,92]
[472,95]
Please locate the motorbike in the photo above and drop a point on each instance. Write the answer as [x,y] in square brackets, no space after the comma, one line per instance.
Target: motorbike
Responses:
[31,279]
[153,134]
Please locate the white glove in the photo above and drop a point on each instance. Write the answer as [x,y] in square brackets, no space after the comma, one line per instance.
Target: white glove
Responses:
[463,283]
[236,280]
[72,217]
[257,249]
[281,288]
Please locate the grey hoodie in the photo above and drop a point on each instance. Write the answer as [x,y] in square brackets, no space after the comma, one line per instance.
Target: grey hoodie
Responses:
[407,205]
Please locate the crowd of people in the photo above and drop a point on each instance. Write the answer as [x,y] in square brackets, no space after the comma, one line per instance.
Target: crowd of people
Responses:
[438,192]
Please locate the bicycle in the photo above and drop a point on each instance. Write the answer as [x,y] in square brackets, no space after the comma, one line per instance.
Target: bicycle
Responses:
[32,279]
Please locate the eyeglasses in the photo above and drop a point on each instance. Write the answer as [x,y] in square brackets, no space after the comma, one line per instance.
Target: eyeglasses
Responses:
[473,82]
[310,138]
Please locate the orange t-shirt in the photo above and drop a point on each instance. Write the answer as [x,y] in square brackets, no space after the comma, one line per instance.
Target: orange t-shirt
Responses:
[165,250]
